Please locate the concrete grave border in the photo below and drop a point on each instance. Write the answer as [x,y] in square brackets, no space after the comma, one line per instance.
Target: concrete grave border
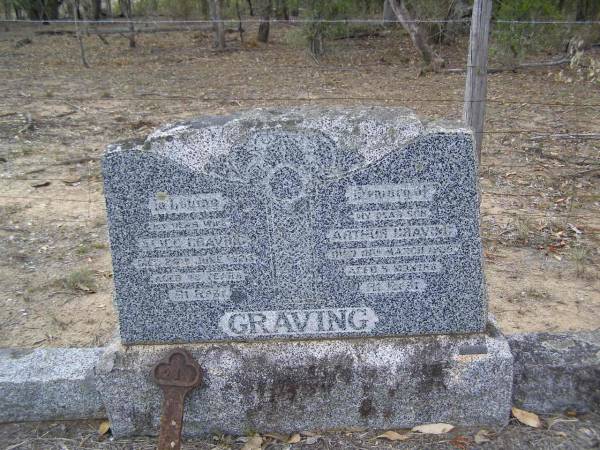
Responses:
[553,372]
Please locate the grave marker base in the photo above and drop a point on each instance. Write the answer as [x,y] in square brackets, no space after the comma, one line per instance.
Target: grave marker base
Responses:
[287,386]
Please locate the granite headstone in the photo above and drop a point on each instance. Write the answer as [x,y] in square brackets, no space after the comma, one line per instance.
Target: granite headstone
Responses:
[299,223]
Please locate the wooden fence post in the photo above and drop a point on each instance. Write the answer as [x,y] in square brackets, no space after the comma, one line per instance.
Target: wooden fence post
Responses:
[218,25]
[476,86]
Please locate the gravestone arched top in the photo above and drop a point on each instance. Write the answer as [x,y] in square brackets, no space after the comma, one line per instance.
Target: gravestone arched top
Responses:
[305,222]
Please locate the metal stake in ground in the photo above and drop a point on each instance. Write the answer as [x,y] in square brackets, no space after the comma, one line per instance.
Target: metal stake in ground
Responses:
[176,374]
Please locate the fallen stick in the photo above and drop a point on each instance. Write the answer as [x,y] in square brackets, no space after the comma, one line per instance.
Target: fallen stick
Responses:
[566,136]
[516,67]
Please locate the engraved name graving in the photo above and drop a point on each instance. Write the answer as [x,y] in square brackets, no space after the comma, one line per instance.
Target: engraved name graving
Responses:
[192,261]
[392,286]
[392,233]
[392,269]
[198,277]
[215,294]
[311,321]
[390,193]
[391,252]
[163,203]
[391,214]
[204,241]
[184,225]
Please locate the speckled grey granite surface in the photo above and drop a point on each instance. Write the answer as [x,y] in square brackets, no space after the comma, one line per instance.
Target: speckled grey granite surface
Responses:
[49,384]
[290,386]
[555,372]
[298,223]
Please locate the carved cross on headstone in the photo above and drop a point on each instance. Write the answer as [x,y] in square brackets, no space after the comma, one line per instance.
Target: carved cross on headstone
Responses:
[176,374]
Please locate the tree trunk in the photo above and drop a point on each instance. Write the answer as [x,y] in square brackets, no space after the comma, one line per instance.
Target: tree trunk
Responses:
[205,9]
[459,10]
[51,9]
[75,6]
[389,17]
[585,10]
[34,11]
[109,8]
[42,10]
[96,9]
[282,11]
[265,19]
[127,11]
[250,7]
[6,5]
[218,26]
[431,61]
[240,25]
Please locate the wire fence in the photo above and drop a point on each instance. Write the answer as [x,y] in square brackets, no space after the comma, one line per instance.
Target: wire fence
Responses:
[293,20]
[572,132]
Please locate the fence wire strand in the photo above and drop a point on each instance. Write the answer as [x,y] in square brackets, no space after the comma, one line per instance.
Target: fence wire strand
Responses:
[297,21]
[508,213]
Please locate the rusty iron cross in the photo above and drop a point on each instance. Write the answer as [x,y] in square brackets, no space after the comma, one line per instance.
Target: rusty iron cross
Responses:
[177,374]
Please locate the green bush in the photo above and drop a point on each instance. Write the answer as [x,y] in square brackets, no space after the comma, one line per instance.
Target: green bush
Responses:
[316,30]
[512,42]
[177,9]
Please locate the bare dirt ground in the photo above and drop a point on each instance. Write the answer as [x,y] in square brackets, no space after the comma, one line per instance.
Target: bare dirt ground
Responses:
[540,202]
[559,432]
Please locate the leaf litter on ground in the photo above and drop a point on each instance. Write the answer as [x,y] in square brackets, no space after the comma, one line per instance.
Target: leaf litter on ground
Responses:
[253,443]
[527,418]
[393,436]
[433,428]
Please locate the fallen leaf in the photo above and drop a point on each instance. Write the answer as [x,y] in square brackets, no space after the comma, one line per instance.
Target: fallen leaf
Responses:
[40,184]
[277,436]
[104,427]
[253,443]
[393,436]
[434,428]
[84,288]
[527,418]
[482,436]
[294,438]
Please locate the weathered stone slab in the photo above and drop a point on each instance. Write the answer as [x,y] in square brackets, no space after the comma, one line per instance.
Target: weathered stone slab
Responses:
[49,384]
[289,386]
[307,223]
[555,372]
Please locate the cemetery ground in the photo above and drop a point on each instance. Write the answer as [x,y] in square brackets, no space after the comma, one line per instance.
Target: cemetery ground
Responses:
[559,432]
[539,181]
[539,170]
